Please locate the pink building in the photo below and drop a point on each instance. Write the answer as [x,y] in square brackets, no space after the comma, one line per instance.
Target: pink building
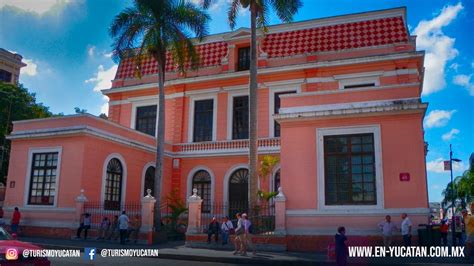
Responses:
[339,103]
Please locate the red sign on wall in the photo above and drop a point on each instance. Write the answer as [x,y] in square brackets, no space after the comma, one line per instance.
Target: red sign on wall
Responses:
[404,176]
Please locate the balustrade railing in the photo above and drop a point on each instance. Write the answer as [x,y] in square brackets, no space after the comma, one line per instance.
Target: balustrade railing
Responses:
[227,145]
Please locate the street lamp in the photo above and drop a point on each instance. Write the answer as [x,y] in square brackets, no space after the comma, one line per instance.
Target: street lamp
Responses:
[451,159]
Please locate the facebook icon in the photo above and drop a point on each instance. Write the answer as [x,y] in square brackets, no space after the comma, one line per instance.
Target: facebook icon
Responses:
[89,253]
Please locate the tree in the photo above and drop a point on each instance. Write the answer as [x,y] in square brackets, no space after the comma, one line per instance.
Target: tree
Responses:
[259,12]
[16,103]
[79,110]
[463,191]
[157,27]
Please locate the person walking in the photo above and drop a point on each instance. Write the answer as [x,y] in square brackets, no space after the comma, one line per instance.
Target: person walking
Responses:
[443,229]
[15,221]
[213,229]
[469,228]
[239,231]
[406,229]
[114,229]
[387,228]
[123,227]
[247,236]
[85,225]
[104,228]
[227,229]
[341,247]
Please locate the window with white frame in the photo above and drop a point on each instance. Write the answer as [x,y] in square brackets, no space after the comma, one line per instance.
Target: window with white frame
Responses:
[357,83]
[42,190]
[145,119]
[113,185]
[277,104]
[203,120]
[240,117]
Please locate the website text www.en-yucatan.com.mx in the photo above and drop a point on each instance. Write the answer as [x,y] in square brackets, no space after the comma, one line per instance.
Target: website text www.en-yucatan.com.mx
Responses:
[408,252]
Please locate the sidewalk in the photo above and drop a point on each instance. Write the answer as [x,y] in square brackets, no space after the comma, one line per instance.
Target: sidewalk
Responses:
[177,250]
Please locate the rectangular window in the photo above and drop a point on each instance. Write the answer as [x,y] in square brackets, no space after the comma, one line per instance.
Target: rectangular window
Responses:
[240,122]
[43,178]
[243,59]
[360,85]
[5,76]
[146,119]
[203,118]
[349,167]
[277,105]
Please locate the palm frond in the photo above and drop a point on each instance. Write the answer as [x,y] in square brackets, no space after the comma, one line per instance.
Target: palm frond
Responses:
[233,12]
[286,9]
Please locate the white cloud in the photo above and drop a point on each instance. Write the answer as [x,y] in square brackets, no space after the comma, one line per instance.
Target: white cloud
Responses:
[91,50]
[454,66]
[104,108]
[437,166]
[450,135]
[103,78]
[465,81]
[37,6]
[30,69]
[439,47]
[108,55]
[438,118]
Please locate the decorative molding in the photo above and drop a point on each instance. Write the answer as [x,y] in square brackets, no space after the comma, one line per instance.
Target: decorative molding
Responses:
[271,70]
[393,108]
[227,176]
[75,130]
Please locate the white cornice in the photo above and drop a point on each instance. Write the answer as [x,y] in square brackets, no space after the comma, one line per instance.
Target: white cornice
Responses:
[271,70]
[83,115]
[361,108]
[82,129]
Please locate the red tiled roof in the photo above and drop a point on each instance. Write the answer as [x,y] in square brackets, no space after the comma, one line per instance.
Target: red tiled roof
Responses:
[210,54]
[336,37]
[319,39]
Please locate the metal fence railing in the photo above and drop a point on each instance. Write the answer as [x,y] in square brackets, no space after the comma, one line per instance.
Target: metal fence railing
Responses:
[98,210]
[261,215]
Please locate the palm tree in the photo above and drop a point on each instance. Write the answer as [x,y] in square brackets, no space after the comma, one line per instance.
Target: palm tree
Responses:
[153,28]
[259,11]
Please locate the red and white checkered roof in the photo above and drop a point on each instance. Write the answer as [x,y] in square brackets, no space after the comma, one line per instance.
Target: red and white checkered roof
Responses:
[319,39]
[336,37]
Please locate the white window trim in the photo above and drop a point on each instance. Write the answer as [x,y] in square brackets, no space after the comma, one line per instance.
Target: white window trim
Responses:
[32,151]
[271,103]
[192,100]
[230,108]
[227,176]
[190,181]
[360,80]
[272,179]
[143,177]
[374,129]
[119,157]
[142,103]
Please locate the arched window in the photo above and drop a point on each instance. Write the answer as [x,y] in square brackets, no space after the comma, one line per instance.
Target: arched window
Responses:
[149,181]
[276,181]
[202,182]
[238,191]
[113,185]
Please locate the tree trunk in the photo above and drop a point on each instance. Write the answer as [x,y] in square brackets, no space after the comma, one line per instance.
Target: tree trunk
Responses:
[253,99]
[160,142]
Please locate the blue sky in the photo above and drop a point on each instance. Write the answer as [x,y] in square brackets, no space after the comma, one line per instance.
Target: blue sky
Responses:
[67,48]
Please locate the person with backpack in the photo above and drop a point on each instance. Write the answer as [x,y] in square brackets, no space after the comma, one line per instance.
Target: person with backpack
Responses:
[227,229]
